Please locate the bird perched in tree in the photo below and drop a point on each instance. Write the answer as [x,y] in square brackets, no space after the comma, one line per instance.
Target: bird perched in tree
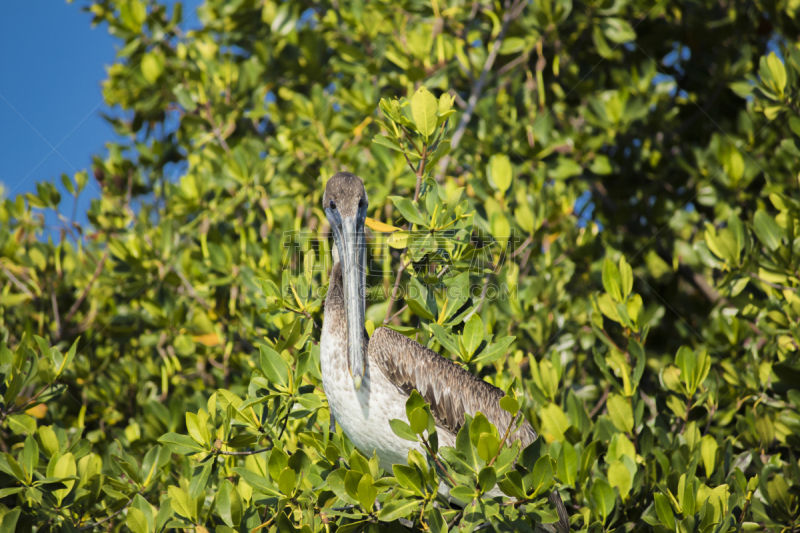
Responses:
[368,380]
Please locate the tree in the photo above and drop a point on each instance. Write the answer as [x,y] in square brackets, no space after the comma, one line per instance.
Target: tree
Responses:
[627,170]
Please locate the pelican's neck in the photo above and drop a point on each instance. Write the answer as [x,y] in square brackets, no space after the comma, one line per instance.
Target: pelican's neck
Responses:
[334,301]
[334,323]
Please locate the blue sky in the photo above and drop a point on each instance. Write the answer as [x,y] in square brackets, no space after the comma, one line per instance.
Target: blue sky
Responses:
[52,63]
[50,96]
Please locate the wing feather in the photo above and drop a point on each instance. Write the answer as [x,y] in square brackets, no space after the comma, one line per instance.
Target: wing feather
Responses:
[450,390]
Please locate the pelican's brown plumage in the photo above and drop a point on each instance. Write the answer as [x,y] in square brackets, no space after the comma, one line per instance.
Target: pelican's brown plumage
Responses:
[367,381]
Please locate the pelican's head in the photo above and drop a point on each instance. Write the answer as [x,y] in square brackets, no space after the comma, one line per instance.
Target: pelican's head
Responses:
[345,204]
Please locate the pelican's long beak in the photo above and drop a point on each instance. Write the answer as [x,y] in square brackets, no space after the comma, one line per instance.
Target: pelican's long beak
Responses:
[350,243]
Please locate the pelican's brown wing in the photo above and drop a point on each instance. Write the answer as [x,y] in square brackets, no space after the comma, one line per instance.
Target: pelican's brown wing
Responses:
[450,390]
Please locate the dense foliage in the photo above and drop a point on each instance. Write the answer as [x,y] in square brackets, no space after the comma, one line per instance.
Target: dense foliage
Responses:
[590,204]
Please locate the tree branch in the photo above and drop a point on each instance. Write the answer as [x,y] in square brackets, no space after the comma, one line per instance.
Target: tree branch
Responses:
[600,402]
[393,296]
[17,282]
[85,293]
[477,88]
[251,452]
[191,290]
[95,524]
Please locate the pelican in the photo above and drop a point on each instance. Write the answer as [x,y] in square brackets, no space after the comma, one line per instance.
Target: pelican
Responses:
[368,380]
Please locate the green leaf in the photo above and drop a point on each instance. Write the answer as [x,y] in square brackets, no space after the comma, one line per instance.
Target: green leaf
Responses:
[588,458]
[601,165]
[767,230]
[200,479]
[513,486]
[418,420]
[488,446]
[494,352]
[180,502]
[617,30]
[499,172]
[567,464]
[487,478]
[620,477]
[181,444]
[510,405]
[408,210]
[473,334]
[133,13]
[399,508]
[388,143]
[424,109]
[462,493]
[554,421]
[259,483]
[480,425]
[403,430]
[287,481]
[777,71]
[229,504]
[49,441]
[625,278]
[21,424]
[708,451]
[542,475]
[30,456]
[274,367]
[164,514]
[443,338]
[65,467]
[664,511]
[414,401]
[604,499]
[408,478]
[153,66]
[620,411]
[442,149]
[141,504]
[419,300]
[367,492]
[195,432]
[278,461]
[612,281]
[136,521]
[8,522]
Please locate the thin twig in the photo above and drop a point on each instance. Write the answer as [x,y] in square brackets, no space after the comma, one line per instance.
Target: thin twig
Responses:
[25,406]
[95,524]
[521,59]
[17,282]
[191,290]
[252,452]
[421,170]
[285,423]
[79,301]
[477,88]
[522,247]
[215,128]
[505,438]
[600,402]
[393,296]
[773,285]
[398,313]
[438,462]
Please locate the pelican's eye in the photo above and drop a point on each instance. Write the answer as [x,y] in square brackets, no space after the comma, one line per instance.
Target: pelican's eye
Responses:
[361,202]
[333,204]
